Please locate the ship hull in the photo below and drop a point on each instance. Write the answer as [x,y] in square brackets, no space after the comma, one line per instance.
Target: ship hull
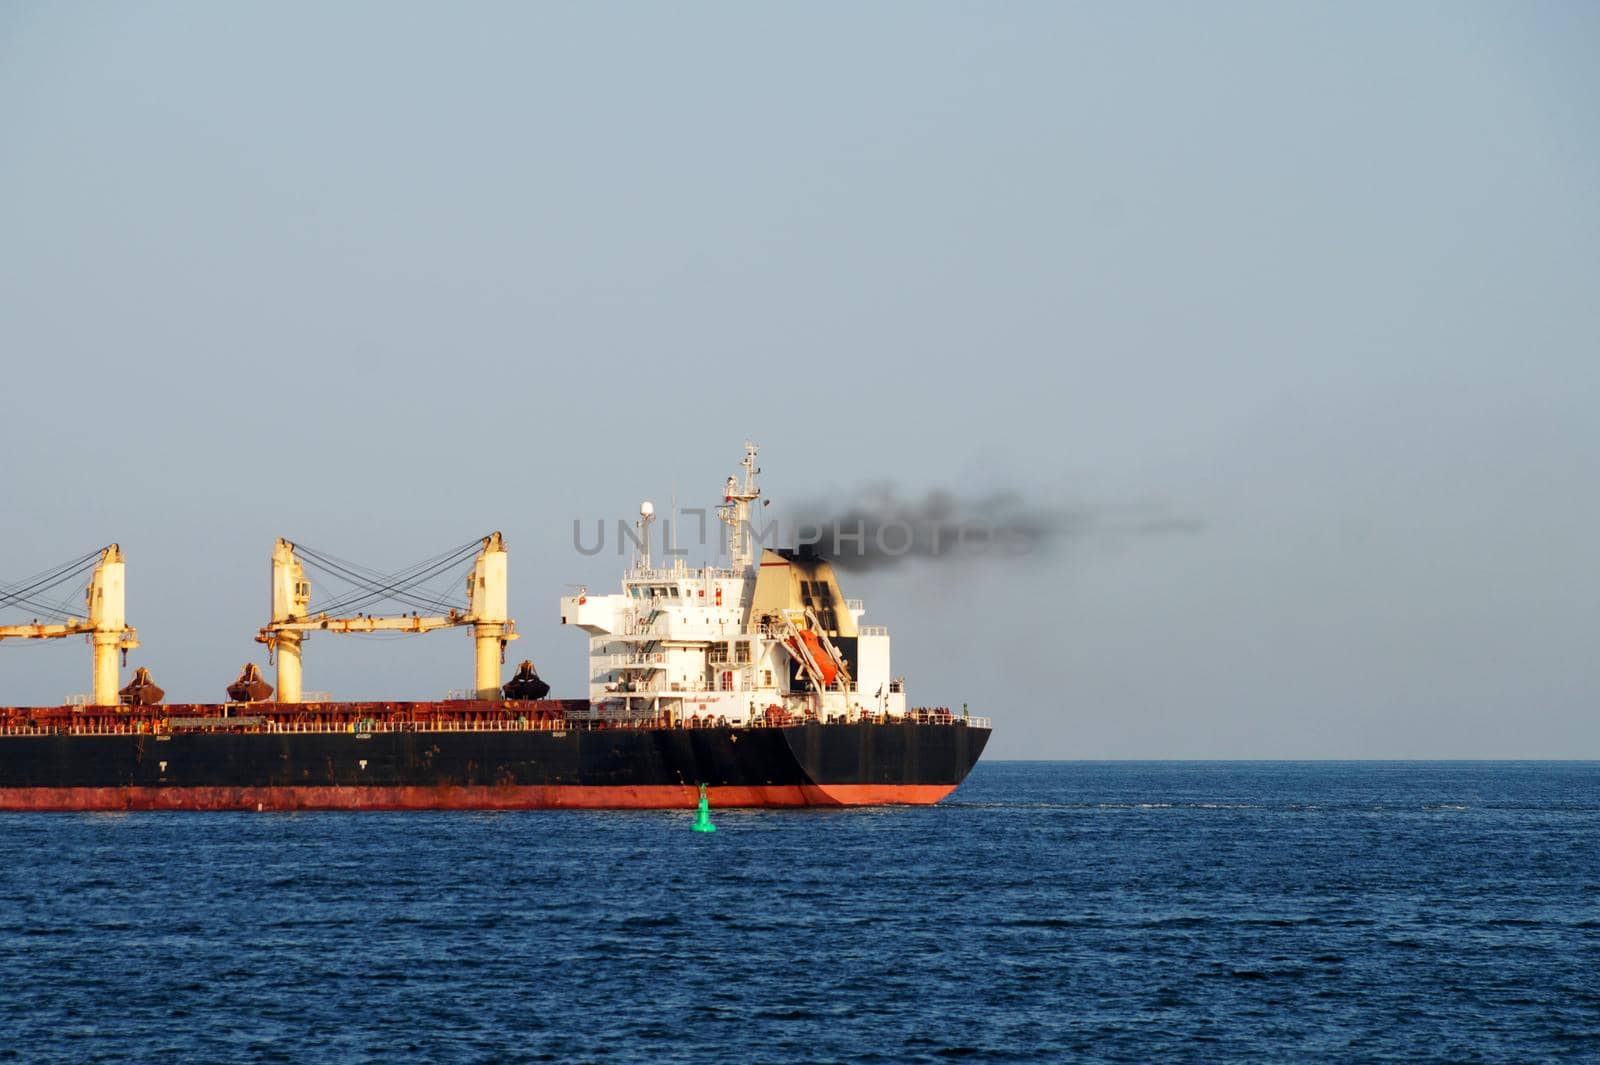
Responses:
[631,768]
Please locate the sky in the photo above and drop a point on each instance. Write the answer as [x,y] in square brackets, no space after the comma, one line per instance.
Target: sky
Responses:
[1317,283]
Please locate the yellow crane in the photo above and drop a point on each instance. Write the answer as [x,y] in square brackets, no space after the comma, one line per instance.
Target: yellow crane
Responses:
[486,613]
[105,602]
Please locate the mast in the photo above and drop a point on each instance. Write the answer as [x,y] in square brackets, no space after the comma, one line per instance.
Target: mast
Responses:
[647,517]
[291,595]
[735,510]
[487,597]
[108,623]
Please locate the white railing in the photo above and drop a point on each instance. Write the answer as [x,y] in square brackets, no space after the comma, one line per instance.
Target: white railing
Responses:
[933,716]
[638,573]
[874,630]
[642,658]
[698,685]
[649,687]
[856,605]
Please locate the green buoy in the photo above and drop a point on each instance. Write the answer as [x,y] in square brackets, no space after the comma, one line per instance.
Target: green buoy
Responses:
[702,818]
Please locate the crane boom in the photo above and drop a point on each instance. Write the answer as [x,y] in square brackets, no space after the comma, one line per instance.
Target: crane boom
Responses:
[368,624]
[44,632]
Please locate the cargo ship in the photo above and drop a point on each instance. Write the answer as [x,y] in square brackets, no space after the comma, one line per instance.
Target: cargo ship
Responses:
[756,680]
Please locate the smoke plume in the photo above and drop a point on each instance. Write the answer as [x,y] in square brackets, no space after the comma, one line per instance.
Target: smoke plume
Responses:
[883,528]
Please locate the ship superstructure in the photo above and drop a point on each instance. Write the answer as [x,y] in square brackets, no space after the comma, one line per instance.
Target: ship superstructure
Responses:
[769,638]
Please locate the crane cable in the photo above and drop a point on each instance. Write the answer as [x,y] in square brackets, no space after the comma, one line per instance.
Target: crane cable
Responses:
[406,586]
[27,592]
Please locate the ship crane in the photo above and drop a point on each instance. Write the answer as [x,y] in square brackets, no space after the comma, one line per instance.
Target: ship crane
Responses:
[105,603]
[292,620]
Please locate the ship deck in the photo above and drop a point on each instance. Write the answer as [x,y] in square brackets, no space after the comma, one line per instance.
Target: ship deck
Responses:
[547,715]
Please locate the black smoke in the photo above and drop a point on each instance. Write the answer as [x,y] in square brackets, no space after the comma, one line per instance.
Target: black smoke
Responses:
[884,528]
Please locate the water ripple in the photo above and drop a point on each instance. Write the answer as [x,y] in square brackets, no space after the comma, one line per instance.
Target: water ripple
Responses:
[1102,912]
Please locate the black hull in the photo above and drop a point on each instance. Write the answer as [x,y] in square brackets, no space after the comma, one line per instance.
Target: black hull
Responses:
[809,764]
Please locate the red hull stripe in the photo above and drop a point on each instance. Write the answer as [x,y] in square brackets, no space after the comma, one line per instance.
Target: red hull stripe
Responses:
[507,797]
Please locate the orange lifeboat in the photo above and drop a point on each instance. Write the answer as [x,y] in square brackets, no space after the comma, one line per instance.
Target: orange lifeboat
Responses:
[824,663]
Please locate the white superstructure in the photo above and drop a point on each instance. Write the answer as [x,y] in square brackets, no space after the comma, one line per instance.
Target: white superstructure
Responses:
[767,637]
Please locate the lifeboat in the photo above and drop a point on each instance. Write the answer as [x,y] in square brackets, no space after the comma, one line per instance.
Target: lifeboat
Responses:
[824,662]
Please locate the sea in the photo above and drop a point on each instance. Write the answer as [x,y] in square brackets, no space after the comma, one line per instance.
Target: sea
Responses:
[1062,911]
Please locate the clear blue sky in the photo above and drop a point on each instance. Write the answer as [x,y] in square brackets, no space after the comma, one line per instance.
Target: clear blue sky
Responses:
[382,277]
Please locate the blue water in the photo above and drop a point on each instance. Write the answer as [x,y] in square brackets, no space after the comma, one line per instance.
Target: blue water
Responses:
[1067,911]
